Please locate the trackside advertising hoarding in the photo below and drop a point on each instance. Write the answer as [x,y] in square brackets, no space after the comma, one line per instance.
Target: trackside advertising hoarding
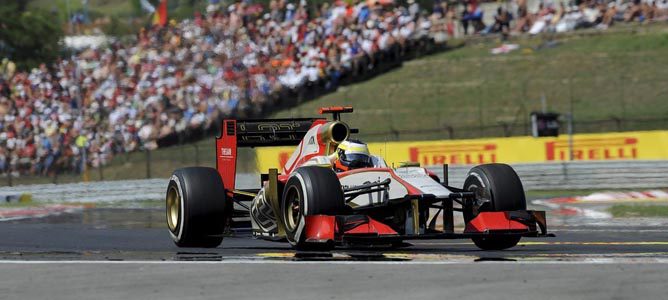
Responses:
[641,145]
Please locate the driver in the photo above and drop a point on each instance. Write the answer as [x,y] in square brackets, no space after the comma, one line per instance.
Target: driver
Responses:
[351,154]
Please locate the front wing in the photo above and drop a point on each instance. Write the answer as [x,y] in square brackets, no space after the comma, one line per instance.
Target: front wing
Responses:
[362,229]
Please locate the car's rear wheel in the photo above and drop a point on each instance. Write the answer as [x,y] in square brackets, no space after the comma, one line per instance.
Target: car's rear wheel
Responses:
[310,190]
[497,188]
[196,207]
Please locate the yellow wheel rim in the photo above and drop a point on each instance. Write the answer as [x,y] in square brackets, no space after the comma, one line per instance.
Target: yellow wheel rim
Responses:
[291,209]
[173,208]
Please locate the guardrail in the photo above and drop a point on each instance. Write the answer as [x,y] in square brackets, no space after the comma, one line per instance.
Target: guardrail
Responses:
[579,175]
[127,191]
[543,176]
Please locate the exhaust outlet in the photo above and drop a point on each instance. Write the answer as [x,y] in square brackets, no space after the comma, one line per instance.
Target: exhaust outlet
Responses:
[333,132]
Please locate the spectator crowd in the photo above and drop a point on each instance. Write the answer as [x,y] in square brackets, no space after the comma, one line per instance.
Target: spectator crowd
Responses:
[561,16]
[236,60]
[184,77]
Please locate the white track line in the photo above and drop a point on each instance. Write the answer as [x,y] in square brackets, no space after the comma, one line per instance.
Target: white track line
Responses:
[260,262]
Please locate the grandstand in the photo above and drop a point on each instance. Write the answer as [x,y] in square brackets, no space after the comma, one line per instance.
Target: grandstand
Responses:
[175,82]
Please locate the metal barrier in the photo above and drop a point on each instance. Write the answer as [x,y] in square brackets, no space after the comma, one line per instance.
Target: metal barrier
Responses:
[579,175]
[116,191]
[543,176]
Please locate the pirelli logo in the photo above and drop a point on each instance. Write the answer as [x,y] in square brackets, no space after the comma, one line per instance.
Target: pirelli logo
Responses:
[454,154]
[593,149]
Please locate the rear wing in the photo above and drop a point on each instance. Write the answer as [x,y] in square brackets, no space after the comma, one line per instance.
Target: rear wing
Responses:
[256,133]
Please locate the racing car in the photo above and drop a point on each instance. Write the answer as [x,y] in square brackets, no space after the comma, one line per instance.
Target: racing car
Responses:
[332,193]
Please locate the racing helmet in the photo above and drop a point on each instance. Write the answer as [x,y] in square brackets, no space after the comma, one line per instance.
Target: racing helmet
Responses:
[352,154]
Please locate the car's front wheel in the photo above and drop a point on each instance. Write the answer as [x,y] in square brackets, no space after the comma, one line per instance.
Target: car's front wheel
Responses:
[497,188]
[310,190]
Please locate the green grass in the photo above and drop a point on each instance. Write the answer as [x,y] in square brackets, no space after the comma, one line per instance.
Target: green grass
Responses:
[605,77]
[17,204]
[630,211]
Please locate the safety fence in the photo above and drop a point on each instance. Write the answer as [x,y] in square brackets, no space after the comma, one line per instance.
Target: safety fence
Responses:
[514,128]
[125,166]
[123,191]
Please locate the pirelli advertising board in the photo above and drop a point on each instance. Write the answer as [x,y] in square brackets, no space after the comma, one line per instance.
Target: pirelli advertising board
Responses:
[643,145]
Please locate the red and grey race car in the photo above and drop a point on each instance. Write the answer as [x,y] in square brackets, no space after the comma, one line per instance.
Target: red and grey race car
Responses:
[313,205]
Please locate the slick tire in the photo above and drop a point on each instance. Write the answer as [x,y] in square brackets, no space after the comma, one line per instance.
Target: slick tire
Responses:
[496,243]
[310,190]
[196,207]
[502,188]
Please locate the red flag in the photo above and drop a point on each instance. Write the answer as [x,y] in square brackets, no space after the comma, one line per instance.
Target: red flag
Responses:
[160,16]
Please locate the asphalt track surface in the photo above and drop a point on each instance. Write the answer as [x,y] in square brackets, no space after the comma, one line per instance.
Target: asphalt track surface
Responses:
[128,254]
